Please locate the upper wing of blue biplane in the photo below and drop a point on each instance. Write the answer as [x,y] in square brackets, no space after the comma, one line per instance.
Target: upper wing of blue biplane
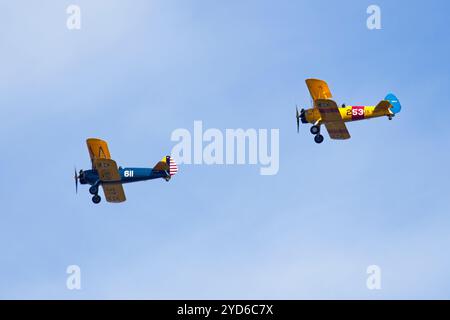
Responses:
[98,149]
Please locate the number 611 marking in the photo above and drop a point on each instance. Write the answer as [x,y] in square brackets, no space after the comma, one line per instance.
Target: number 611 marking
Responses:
[128,173]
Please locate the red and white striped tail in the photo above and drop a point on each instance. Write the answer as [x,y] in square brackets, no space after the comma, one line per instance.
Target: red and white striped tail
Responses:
[173,168]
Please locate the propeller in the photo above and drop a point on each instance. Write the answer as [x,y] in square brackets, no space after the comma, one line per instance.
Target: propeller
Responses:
[298,118]
[76,180]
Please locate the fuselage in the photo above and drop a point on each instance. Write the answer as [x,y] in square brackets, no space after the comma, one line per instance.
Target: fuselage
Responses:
[348,113]
[127,175]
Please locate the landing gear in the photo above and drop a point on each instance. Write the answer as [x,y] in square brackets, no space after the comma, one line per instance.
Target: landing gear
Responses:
[318,138]
[93,189]
[96,199]
[390,117]
[167,178]
[315,130]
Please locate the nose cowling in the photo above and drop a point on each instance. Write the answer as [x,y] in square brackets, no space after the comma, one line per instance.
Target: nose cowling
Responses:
[303,116]
[82,177]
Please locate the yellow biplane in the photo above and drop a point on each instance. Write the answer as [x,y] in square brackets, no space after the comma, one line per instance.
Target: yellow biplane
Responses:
[326,112]
[105,173]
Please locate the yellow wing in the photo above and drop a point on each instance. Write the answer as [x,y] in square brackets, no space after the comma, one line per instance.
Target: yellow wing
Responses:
[331,118]
[114,192]
[318,89]
[98,149]
[108,172]
[337,130]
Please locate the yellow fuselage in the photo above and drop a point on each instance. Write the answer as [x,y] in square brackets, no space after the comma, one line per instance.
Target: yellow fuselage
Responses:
[348,113]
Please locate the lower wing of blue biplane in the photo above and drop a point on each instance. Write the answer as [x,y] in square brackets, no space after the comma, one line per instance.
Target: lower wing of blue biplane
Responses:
[110,179]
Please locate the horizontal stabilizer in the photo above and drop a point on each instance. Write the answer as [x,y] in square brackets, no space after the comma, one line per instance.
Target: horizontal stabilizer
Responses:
[382,107]
[167,164]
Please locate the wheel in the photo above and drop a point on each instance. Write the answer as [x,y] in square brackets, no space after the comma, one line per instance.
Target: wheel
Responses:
[167,178]
[96,199]
[318,138]
[315,129]
[93,190]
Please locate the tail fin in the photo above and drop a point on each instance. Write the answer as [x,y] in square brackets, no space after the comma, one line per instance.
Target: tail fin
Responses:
[167,164]
[396,106]
[173,168]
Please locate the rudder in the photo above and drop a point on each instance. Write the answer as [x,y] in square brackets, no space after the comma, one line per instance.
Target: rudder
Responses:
[396,106]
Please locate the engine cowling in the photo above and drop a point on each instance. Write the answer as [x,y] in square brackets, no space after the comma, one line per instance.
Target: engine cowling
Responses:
[303,116]
[82,177]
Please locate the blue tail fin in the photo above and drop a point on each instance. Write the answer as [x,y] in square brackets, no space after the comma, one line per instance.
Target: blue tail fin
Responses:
[396,106]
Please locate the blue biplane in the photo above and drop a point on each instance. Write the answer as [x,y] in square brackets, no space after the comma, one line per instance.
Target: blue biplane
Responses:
[105,173]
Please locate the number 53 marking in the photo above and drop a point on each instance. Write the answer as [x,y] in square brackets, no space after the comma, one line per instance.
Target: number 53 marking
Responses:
[356,113]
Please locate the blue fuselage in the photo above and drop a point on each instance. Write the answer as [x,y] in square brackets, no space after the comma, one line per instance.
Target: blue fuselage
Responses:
[127,175]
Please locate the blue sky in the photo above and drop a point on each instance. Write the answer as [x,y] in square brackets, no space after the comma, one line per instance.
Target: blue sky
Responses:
[138,70]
